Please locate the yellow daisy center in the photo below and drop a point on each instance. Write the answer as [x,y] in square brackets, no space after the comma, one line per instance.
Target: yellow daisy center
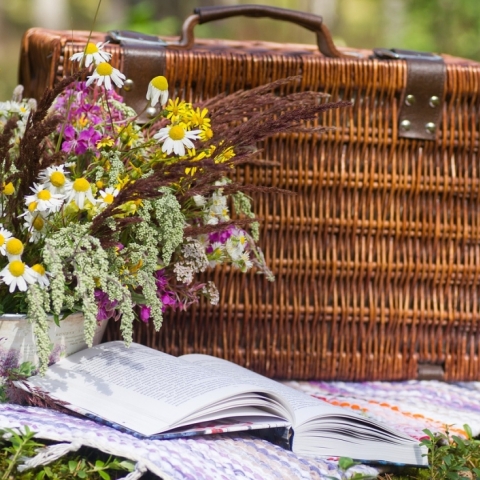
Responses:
[9,189]
[33,206]
[16,268]
[44,195]
[57,179]
[160,83]
[2,239]
[108,198]
[104,69]
[91,48]
[208,133]
[81,185]
[38,223]
[100,184]
[176,132]
[39,269]
[14,246]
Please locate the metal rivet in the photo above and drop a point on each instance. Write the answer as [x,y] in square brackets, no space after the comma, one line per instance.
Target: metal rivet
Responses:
[405,125]
[430,127]
[128,85]
[151,112]
[410,100]
[434,101]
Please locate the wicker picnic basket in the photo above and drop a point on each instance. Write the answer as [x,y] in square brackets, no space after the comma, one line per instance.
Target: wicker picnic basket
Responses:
[377,257]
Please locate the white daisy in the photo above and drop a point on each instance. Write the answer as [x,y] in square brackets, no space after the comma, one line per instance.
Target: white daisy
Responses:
[43,200]
[176,138]
[216,255]
[106,73]
[243,263]
[108,195]
[14,248]
[92,54]
[158,90]
[17,274]
[4,236]
[200,200]
[80,190]
[35,224]
[54,179]
[234,249]
[41,275]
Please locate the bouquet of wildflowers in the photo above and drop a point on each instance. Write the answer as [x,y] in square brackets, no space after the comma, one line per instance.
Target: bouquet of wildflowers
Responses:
[102,214]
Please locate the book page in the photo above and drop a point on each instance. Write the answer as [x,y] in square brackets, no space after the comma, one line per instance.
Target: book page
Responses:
[146,390]
[303,406]
[323,429]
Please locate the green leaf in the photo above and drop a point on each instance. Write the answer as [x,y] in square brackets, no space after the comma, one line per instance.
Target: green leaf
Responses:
[429,433]
[104,475]
[459,441]
[56,319]
[345,463]
[127,465]
[468,430]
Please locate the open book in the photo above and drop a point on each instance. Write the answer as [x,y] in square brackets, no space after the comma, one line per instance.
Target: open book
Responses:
[157,395]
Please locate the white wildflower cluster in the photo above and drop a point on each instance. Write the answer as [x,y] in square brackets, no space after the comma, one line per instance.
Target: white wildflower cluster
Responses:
[36,309]
[235,250]
[116,167]
[149,290]
[116,291]
[17,108]
[210,290]
[128,112]
[216,208]
[184,273]
[194,261]
[90,268]
[171,222]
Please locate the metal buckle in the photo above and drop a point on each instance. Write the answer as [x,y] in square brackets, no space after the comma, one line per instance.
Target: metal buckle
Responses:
[127,36]
[399,54]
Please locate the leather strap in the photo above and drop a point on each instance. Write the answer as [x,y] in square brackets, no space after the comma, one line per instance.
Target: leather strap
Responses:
[423,98]
[428,371]
[143,58]
[309,21]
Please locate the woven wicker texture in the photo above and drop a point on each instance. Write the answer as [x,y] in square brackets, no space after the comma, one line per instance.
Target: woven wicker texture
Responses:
[377,257]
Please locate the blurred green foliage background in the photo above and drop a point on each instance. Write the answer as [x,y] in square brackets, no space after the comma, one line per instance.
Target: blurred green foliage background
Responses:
[447,26]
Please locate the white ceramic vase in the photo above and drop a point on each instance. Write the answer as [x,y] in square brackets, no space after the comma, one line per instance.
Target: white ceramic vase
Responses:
[17,342]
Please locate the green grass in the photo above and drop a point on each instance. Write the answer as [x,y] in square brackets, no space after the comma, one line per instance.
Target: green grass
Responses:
[85,464]
[450,457]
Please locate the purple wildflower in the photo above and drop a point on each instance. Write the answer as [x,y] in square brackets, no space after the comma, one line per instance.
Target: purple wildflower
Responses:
[90,137]
[144,313]
[8,360]
[106,307]
[221,237]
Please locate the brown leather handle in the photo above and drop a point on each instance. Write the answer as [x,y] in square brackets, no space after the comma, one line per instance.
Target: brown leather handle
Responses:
[309,21]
